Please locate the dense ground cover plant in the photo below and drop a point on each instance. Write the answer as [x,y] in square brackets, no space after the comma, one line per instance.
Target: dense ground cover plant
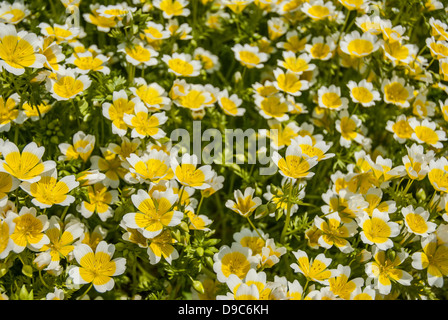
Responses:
[97,201]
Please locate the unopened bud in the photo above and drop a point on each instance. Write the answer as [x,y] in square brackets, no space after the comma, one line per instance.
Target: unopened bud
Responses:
[197,285]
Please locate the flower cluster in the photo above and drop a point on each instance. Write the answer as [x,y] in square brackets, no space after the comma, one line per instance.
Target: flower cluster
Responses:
[100,200]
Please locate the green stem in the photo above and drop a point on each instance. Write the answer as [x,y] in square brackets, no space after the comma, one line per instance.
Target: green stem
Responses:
[430,63]
[343,28]
[42,280]
[181,192]
[16,134]
[131,73]
[144,271]
[200,204]
[305,287]
[288,215]
[64,213]
[85,292]
[408,185]
[252,225]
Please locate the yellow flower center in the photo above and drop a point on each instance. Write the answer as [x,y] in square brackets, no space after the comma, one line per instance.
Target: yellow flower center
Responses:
[235,263]
[376,230]
[361,94]
[181,67]
[17,52]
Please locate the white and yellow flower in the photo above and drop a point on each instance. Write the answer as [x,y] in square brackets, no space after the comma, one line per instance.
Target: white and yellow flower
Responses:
[210,62]
[155,32]
[281,135]
[397,92]
[274,106]
[82,147]
[422,107]
[237,6]
[103,24]
[363,92]
[249,56]
[197,221]
[399,53]
[172,8]
[139,54]
[358,5]
[181,32]
[366,293]
[151,167]
[49,190]
[438,49]
[330,98]
[29,230]
[321,48]
[313,149]
[425,131]
[334,232]
[277,27]
[293,43]
[289,82]
[270,254]
[244,204]
[155,212]
[25,165]
[111,165]
[444,108]
[416,162]
[99,200]
[189,174]
[359,45]
[97,267]
[416,221]
[152,95]
[116,110]
[182,64]
[384,271]
[400,128]
[10,112]
[439,29]
[87,61]
[382,169]
[60,33]
[349,128]
[68,84]
[392,33]
[433,258]
[297,64]
[144,124]
[378,229]
[438,174]
[295,164]
[443,68]
[36,112]
[19,50]
[7,227]
[194,97]
[162,246]
[61,236]
[371,24]
[315,270]
[318,9]
[13,13]
[341,286]
[230,104]
[237,260]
